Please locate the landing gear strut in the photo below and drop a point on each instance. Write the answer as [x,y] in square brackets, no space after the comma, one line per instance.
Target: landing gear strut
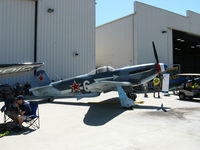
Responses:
[126,99]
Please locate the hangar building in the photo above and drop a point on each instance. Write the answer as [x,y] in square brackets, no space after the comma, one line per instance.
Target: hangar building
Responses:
[128,40]
[60,33]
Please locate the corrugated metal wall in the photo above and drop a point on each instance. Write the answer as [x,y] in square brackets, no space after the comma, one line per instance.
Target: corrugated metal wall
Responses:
[16,33]
[69,29]
[114,43]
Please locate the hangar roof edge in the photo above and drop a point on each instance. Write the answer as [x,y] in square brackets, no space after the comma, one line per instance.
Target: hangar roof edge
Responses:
[188,13]
[114,20]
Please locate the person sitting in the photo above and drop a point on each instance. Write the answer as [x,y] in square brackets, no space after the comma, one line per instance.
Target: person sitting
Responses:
[188,85]
[12,110]
[11,107]
[25,109]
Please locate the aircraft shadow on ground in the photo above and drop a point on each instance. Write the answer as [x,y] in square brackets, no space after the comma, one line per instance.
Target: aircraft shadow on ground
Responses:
[196,100]
[102,112]
[99,113]
[151,107]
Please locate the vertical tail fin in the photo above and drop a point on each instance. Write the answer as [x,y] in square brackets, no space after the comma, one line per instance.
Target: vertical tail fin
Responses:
[40,79]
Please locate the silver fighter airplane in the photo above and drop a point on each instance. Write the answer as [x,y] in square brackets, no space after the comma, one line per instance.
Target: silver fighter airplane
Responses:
[103,79]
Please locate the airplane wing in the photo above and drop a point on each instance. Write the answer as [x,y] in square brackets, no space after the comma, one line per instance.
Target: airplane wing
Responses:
[7,70]
[115,83]
[189,74]
[99,85]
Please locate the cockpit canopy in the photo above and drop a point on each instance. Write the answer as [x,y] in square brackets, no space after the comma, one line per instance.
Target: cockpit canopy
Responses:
[101,70]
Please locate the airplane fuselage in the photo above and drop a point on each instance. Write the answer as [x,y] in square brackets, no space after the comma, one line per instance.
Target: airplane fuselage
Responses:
[100,80]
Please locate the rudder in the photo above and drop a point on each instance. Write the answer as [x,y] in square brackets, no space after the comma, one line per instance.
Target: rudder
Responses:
[40,79]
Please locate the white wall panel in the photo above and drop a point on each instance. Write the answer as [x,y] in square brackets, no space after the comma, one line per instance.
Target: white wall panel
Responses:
[16,34]
[70,28]
[114,43]
[149,22]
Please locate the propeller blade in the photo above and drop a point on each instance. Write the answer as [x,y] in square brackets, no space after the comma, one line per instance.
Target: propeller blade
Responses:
[155,52]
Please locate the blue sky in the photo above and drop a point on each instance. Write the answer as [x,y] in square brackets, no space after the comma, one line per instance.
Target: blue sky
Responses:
[108,10]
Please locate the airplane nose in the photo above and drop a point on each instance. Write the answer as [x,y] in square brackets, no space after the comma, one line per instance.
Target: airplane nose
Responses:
[163,67]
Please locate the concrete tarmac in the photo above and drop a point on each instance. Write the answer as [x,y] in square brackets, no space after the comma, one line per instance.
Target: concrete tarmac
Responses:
[101,124]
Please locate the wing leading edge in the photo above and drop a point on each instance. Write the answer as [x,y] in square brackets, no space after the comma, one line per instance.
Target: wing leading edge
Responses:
[7,70]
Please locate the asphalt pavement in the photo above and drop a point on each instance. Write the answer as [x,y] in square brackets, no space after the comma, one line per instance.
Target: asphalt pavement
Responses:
[101,124]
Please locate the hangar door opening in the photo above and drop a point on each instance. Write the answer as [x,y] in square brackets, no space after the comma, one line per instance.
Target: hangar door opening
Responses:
[186,51]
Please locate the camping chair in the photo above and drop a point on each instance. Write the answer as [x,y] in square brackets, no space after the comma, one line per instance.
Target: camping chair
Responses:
[33,120]
[6,118]
[3,109]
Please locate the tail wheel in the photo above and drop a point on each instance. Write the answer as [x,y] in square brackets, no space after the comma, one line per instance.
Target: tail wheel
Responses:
[191,98]
[181,96]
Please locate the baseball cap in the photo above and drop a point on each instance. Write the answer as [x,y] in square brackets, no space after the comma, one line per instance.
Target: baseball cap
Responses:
[20,97]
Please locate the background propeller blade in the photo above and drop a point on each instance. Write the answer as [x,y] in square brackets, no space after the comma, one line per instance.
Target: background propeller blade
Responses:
[155,52]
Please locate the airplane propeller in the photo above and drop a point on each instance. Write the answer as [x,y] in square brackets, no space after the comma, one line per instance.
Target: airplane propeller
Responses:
[155,52]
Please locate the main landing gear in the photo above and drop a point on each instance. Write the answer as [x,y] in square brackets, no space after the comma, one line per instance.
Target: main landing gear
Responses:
[126,100]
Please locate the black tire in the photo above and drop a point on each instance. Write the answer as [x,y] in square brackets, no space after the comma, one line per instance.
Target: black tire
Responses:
[181,96]
[191,98]
[50,100]
[132,96]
